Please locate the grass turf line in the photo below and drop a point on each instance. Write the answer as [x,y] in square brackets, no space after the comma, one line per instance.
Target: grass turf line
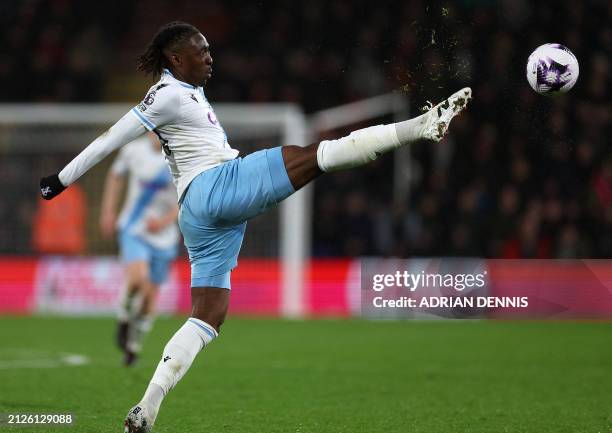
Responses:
[325,376]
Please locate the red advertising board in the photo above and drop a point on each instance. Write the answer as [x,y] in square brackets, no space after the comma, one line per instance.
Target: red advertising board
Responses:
[92,285]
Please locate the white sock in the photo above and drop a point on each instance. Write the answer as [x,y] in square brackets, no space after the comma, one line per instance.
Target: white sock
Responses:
[177,357]
[141,325]
[365,145]
[412,129]
[126,306]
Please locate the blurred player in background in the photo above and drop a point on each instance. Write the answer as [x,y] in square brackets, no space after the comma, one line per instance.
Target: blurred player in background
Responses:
[147,234]
[219,192]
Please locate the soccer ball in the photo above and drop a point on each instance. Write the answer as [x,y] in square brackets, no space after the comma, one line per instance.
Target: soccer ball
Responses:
[552,69]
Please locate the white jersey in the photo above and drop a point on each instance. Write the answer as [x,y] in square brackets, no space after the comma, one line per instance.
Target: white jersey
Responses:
[150,193]
[192,137]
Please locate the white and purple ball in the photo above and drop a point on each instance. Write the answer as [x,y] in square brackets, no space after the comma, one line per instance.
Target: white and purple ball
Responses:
[552,69]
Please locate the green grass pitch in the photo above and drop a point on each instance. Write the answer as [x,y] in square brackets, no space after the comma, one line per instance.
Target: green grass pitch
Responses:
[324,376]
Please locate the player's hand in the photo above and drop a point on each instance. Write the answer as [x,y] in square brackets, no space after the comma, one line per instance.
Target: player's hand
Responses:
[155,224]
[107,224]
[51,186]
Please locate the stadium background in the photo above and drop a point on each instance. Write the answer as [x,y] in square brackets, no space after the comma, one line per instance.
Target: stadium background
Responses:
[520,177]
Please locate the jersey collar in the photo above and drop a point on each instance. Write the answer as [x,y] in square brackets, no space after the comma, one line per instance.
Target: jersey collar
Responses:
[182,83]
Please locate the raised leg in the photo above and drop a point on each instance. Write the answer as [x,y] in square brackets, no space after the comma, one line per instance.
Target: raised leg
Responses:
[301,164]
[365,145]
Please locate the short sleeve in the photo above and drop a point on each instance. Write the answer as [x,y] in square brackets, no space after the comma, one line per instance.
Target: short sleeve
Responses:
[120,164]
[159,107]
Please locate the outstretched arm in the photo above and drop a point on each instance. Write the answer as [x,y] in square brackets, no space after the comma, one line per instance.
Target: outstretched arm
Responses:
[122,132]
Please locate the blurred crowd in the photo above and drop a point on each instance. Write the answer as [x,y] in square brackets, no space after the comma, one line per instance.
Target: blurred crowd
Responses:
[520,176]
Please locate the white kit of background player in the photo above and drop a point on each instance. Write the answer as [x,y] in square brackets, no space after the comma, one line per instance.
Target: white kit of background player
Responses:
[147,233]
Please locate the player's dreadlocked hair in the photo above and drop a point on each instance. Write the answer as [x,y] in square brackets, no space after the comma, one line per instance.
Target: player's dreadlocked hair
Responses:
[153,60]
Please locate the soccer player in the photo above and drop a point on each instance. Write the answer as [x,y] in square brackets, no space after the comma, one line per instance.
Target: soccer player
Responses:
[218,192]
[148,234]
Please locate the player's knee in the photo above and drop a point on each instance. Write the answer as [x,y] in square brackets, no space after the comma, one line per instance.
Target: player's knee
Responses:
[209,304]
[213,318]
[149,288]
[140,284]
[215,322]
[137,275]
[298,155]
[301,164]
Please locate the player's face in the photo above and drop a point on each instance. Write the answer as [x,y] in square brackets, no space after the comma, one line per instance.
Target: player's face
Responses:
[198,61]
